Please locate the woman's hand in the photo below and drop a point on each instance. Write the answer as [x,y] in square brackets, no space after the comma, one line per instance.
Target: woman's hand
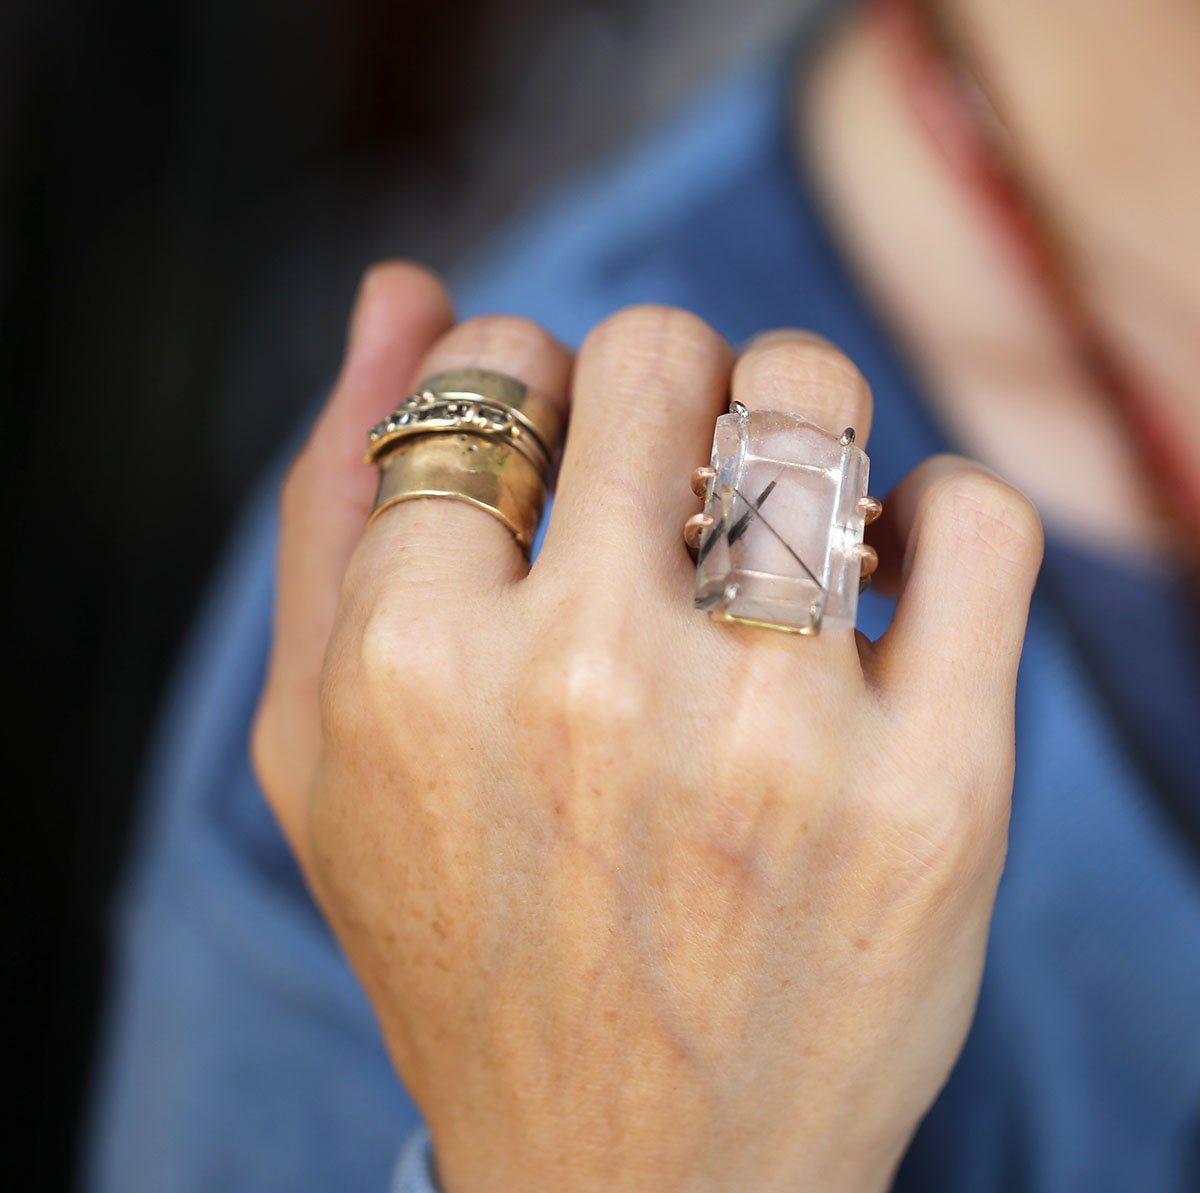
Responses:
[642,901]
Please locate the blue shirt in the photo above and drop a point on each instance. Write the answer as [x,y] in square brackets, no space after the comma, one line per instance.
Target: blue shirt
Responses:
[240,1052]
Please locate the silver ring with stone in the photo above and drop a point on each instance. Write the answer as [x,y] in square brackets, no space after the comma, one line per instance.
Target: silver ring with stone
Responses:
[779,542]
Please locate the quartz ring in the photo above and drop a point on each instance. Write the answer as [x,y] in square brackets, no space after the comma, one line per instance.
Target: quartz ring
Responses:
[470,435]
[780,540]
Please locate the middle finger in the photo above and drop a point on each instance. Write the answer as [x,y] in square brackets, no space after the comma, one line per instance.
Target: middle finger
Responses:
[649,383]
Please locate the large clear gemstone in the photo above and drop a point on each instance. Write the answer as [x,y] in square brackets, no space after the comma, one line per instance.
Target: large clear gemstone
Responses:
[786,522]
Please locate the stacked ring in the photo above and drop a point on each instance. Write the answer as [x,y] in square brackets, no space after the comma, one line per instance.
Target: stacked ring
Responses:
[472,435]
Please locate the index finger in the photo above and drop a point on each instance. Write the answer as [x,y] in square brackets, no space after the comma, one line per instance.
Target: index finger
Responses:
[400,310]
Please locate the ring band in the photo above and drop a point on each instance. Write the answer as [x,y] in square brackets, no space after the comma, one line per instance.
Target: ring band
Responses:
[477,402]
[490,476]
[473,436]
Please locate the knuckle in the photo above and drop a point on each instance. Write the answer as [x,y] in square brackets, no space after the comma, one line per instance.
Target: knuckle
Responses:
[981,509]
[652,364]
[651,329]
[398,654]
[388,666]
[497,337]
[380,647]
[587,699]
[796,364]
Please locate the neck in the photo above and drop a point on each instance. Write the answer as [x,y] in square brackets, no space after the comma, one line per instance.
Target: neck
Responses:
[1100,101]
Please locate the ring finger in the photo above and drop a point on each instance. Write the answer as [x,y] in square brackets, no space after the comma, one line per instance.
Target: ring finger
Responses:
[781,520]
[801,372]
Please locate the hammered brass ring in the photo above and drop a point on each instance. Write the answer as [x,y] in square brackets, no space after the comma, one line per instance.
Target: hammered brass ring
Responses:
[474,436]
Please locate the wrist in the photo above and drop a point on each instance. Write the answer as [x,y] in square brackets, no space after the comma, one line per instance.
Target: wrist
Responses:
[575,1169]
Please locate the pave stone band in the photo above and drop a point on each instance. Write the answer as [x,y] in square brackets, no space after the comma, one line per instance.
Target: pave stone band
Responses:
[473,402]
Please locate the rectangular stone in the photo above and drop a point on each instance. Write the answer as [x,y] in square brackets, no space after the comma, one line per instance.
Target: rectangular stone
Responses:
[786,522]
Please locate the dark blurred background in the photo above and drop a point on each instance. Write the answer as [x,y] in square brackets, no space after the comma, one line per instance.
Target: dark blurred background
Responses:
[189,192]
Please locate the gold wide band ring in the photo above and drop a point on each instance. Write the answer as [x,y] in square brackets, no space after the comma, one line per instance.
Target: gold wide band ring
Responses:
[473,436]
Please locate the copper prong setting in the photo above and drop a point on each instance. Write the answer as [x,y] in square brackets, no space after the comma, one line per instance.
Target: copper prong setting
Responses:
[868,559]
[870,508]
[694,527]
[701,477]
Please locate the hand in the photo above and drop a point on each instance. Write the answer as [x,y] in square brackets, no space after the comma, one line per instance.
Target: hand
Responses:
[642,901]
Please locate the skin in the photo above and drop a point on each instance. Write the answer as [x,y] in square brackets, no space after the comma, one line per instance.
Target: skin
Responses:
[642,901]
[1101,102]
[700,907]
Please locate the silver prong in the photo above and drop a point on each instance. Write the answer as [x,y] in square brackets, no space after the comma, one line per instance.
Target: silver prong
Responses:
[701,477]
[738,409]
[816,613]
[847,437]
[694,528]
[721,612]
[870,508]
